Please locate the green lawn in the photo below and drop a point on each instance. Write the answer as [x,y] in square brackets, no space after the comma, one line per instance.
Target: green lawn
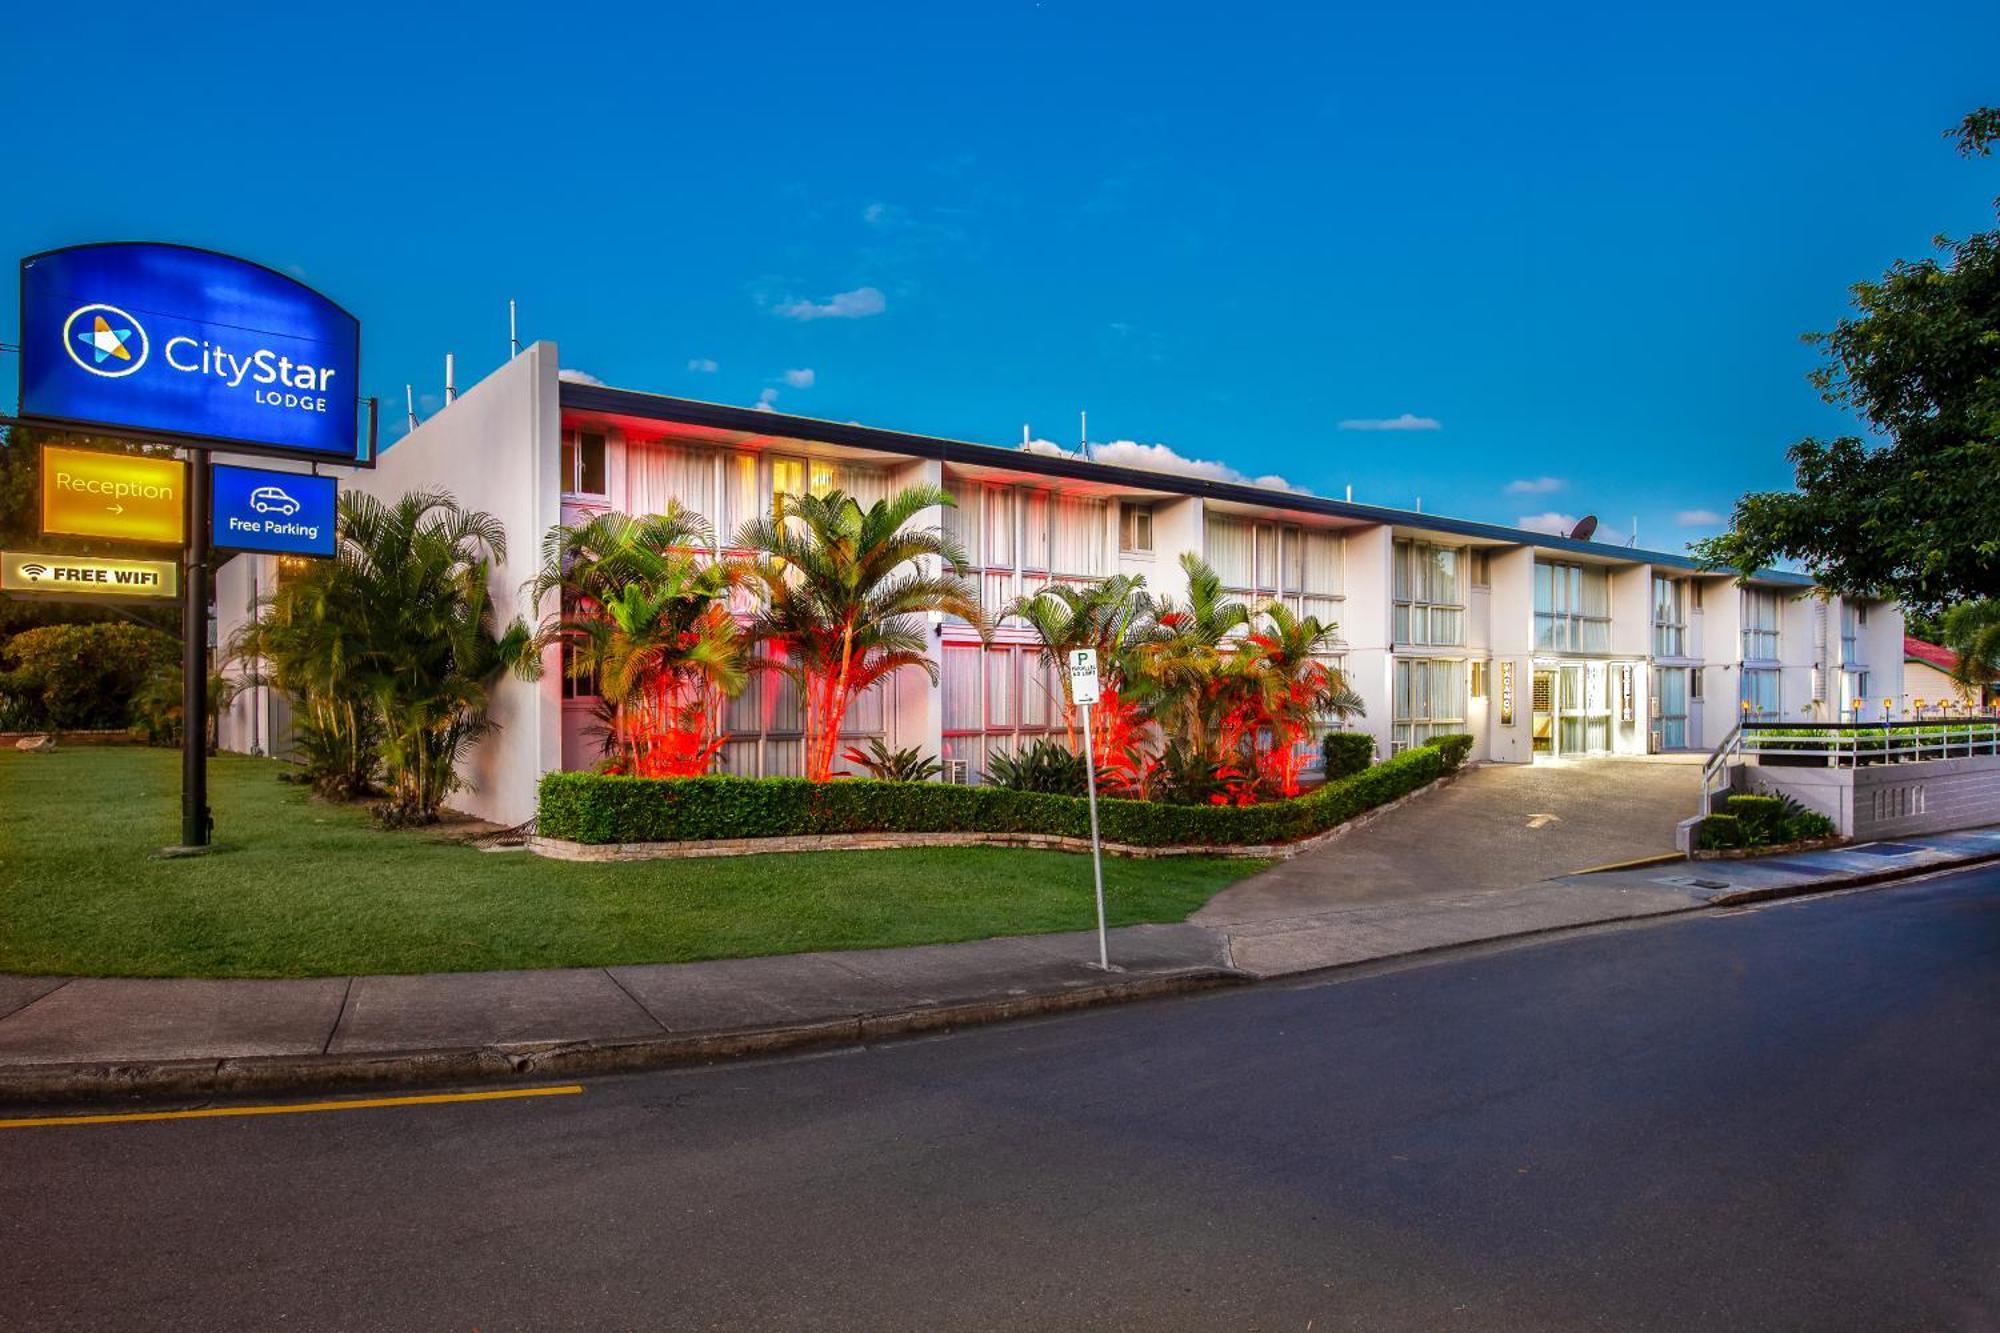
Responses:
[301,888]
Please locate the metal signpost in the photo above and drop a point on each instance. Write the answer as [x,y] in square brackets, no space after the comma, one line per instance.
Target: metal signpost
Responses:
[171,345]
[1083,692]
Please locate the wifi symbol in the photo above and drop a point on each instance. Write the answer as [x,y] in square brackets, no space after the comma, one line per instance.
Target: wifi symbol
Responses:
[34,571]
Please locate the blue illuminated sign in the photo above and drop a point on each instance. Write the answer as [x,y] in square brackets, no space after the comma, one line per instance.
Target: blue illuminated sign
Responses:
[142,337]
[289,513]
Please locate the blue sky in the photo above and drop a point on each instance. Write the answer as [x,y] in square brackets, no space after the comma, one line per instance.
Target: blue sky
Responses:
[1581,240]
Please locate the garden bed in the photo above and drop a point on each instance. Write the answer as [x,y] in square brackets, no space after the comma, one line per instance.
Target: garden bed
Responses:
[732,816]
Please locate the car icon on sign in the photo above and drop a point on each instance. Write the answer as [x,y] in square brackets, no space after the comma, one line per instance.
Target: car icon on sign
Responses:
[273,500]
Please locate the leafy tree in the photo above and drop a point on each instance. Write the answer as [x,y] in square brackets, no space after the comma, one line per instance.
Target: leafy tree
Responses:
[642,609]
[845,590]
[1917,516]
[1181,669]
[1286,692]
[1112,618]
[78,677]
[1972,631]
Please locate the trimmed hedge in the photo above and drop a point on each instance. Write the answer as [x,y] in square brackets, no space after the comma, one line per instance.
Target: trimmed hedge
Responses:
[598,808]
[1347,753]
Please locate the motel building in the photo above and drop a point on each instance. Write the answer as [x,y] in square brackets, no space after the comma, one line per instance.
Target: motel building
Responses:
[1543,648]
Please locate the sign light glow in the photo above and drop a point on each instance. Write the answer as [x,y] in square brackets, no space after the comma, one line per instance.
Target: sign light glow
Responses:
[124,497]
[88,576]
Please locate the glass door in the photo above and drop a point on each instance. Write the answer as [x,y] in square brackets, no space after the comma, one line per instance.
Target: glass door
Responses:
[1670,708]
[1545,712]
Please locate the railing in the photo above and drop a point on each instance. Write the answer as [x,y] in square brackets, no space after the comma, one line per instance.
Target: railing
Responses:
[1847,745]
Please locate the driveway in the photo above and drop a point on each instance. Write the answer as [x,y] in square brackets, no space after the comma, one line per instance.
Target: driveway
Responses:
[1497,827]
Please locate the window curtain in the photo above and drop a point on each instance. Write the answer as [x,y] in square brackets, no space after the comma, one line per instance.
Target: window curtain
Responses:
[964,687]
[1076,536]
[656,475]
[1231,550]
[1323,554]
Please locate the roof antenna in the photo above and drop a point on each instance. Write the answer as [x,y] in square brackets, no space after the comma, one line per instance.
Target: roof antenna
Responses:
[1083,433]
[1024,434]
[513,330]
[450,381]
[1350,492]
[410,403]
[1420,504]
[1635,531]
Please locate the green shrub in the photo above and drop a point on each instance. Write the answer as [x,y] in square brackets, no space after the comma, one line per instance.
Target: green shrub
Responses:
[1044,766]
[1752,821]
[596,808]
[80,677]
[1452,749]
[879,761]
[1347,753]
[1721,833]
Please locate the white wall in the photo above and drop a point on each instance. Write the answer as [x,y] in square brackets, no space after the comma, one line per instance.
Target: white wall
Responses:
[498,449]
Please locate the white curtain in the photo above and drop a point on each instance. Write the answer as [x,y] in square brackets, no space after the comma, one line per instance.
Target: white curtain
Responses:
[1323,563]
[964,688]
[1231,550]
[657,474]
[1076,536]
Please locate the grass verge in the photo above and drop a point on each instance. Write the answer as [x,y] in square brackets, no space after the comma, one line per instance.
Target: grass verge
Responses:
[301,888]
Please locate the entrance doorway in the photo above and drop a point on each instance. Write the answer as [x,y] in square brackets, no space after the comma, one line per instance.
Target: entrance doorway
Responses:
[1574,707]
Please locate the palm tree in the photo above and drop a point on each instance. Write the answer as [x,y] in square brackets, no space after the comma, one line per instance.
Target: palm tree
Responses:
[431,644]
[1181,668]
[1972,631]
[844,592]
[1285,691]
[1109,617]
[641,606]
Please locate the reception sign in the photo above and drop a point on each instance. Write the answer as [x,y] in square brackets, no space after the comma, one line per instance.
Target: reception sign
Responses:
[168,341]
[88,576]
[123,497]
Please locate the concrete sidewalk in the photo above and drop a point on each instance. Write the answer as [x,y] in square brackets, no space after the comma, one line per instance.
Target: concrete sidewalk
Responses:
[92,1038]
[97,1037]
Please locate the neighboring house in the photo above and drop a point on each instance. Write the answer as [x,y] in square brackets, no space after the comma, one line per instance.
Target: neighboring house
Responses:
[1927,676]
[1538,645]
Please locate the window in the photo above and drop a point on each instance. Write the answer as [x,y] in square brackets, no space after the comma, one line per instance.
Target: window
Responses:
[1852,618]
[1263,562]
[1482,567]
[1135,528]
[1760,625]
[1572,607]
[994,701]
[583,463]
[1670,707]
[576,686]
[657,476]
[1760,693]
[1669,618]
[1430,605]
[1430,701]
[1694,682]
[1479,680]
[1694,594]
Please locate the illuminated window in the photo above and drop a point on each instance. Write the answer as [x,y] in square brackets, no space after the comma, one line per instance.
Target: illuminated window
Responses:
[583,463]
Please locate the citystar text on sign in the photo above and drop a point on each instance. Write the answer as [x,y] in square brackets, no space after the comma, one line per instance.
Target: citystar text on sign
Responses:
[87,575]
[125,497]
[307,385]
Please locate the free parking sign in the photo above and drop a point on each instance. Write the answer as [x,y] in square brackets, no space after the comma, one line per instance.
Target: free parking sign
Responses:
[285,513]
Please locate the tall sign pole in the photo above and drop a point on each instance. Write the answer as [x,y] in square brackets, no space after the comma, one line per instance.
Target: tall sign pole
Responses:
[1084,692]
[194,658]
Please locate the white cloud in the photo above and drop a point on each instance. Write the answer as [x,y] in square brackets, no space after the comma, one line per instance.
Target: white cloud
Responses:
[1554,523]
[766,400]
[1161,458]
[1536,486]
[1699,518]
[703,365]
[800,379]
[578,377]
[857,304]
[1407,421]
[874,213]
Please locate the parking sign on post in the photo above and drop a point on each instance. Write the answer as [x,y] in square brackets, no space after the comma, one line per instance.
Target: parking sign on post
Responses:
[1083,692]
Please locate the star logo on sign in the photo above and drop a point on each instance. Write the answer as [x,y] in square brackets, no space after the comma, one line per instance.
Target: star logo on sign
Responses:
[105,341]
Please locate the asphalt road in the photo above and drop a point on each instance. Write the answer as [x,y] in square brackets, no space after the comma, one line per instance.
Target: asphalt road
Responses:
[1782,1118]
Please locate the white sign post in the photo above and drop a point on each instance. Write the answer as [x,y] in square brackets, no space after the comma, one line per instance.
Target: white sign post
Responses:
[1083,692]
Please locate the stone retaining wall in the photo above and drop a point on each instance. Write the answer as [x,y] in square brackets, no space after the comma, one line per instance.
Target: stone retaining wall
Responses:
[561,850]
[1888,800]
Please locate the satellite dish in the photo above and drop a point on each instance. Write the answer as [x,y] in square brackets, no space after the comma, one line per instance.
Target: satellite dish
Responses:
[1585,526]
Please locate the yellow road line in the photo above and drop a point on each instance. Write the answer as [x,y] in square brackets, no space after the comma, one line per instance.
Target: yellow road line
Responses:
[296,1108]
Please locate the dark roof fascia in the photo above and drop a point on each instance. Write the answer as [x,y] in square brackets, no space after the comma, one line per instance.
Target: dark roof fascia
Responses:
[750,421]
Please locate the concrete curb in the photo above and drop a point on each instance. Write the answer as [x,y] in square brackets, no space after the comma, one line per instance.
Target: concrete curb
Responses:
[1888,875]
[213,1077]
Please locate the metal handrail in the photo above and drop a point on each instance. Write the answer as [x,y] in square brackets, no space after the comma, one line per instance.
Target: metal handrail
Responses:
[1848,745]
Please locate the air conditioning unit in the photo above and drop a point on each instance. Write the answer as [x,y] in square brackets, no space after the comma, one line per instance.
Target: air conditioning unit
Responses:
[958,772]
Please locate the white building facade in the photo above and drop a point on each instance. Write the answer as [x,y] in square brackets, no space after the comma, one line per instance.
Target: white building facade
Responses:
[1541,647]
